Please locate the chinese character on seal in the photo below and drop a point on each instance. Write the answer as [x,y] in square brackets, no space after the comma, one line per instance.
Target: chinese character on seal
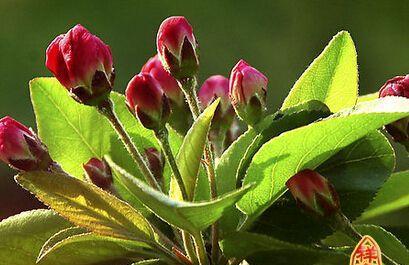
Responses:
[366,252]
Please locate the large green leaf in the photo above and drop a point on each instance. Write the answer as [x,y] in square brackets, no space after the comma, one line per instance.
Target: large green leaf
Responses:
[267,250]
[74,246]
[22,235]
[87,206]
[357,172]
[190,216]
[332,78]
[74,132]
[191,152]
[236,159]
[392,200]
[310,146]
[387,242]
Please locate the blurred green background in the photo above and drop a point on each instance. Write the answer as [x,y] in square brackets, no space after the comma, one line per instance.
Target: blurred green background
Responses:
[280,38]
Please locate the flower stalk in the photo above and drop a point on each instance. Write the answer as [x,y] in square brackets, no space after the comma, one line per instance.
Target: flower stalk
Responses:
[162,136]
[106,109]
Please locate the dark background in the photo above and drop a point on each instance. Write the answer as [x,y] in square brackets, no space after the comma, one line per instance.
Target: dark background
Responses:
[280,38]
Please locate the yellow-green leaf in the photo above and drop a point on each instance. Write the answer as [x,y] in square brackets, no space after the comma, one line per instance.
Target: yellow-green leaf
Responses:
[332,78]
[87,206]
[191,152]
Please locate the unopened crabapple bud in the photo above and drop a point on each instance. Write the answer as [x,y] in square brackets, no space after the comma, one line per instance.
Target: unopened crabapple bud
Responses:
[314,193]
[21,148]
[397,87]
[248,91]
[83,64]
[145,98]
[156,162]
[99,172]
[177,47]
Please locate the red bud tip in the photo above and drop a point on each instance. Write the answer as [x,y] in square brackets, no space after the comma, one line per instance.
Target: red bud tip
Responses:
[21,148]
[177,47]
[99,173]
[82,63]
[314,193]
[145,98]
[248,91]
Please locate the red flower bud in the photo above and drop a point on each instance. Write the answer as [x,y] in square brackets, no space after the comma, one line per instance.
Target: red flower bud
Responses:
[399,87]
[99,172]
[82,63]
[145,98]
[248,91]
[21,148]
[169,84]
[314,193]
[156,162]
[177,47]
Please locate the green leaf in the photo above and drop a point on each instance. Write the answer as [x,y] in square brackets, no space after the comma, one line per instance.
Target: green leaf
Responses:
[368,97]
[332,78]
[236,159]
[259,247]
[86,205]
[190,216]
[310,146]
[191,152]
[22,235]
[295,117]
[357,172]
[74,246]
[388,243]
[74,132]
[392,199]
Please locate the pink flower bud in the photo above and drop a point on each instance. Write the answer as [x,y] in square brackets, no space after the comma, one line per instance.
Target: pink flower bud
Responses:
[314,193]
[99,172]
[21,148]
[156,162]
[216,86]
[82,63]
[177,47]
[145,98]
[169,84]
[248,91]
[399,87]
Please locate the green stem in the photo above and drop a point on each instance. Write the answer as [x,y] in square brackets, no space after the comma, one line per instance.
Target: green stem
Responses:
[342,223]
[200,248]
[106,109]
[189,89]
[162,136]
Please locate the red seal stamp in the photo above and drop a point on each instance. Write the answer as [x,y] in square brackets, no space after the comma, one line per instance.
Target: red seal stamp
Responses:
[366,252]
